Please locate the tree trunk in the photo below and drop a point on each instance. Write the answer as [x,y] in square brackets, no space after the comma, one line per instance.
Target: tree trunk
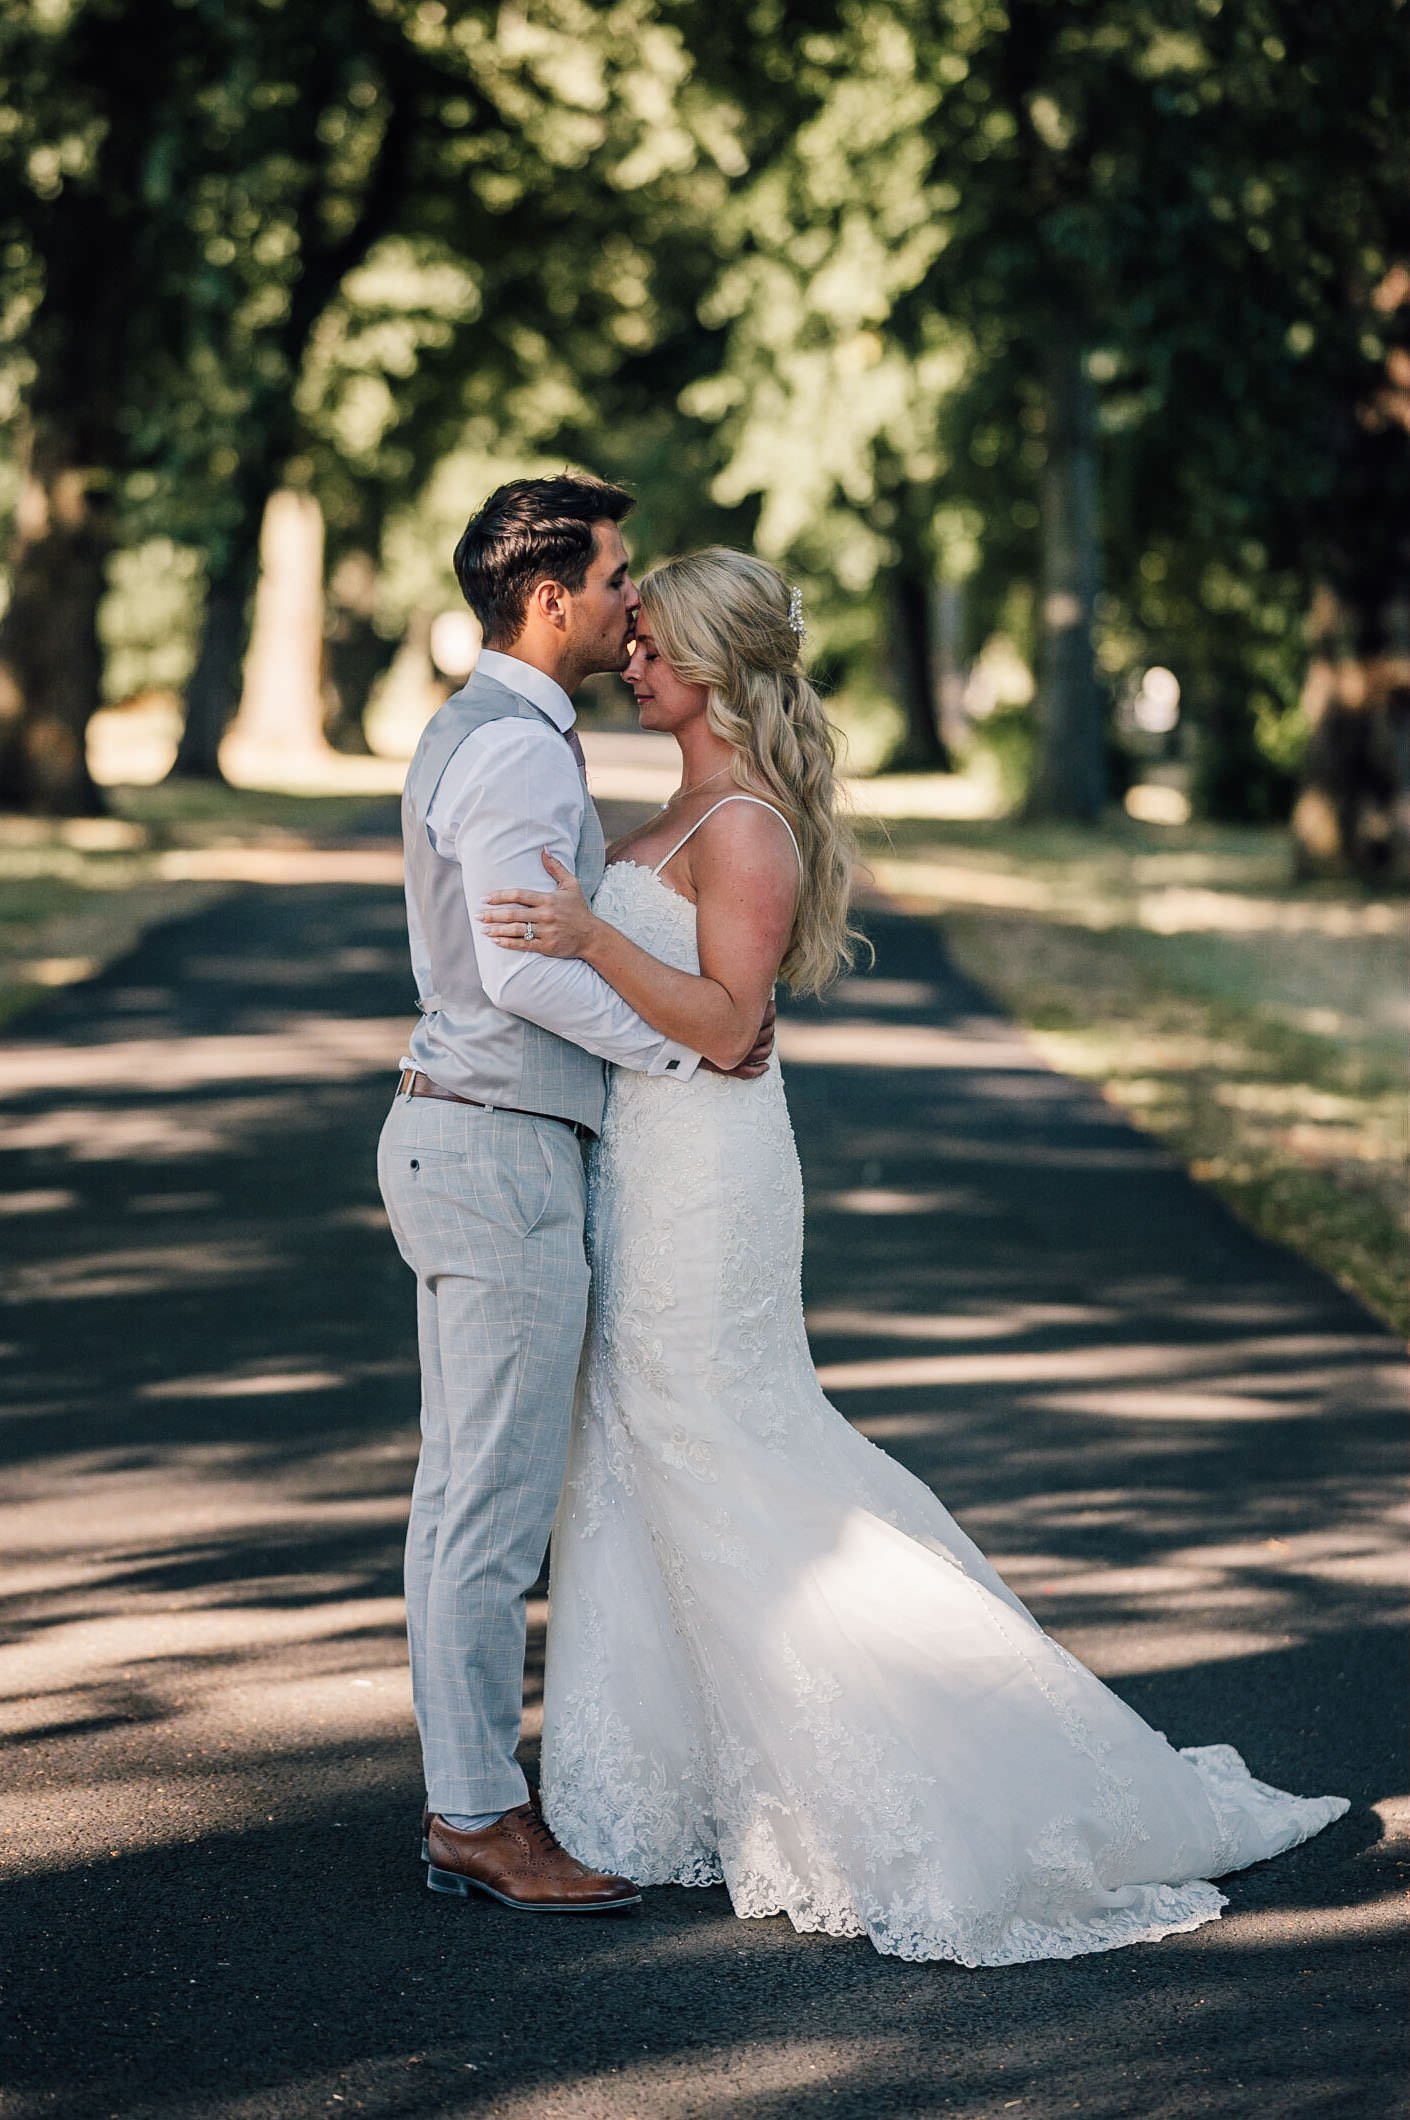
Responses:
[948,628]
[213,689]
[354,653]
[215,704]
[1352,816]
[51,661]
[1070,780]
[913,667]
[83,341]
[280,717]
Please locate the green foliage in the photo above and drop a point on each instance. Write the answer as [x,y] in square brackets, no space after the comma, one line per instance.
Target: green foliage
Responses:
[150,617]
[1211,195]
[1009,740]
[788,273]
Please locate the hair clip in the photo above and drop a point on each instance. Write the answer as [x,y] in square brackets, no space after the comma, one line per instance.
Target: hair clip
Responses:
[795,612]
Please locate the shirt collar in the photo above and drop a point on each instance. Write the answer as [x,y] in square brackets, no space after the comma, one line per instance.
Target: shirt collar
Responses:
[541,690]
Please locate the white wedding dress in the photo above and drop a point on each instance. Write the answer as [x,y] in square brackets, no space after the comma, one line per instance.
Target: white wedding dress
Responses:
[773,1658]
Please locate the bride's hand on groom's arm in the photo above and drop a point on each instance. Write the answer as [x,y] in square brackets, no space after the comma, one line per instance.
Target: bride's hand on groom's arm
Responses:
[746,884]
[562,921]
[564,925]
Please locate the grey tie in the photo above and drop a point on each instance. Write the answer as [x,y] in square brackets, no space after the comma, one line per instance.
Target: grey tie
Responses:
[570,736]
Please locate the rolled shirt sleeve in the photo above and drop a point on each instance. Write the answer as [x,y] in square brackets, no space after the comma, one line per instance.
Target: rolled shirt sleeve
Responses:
[511,790]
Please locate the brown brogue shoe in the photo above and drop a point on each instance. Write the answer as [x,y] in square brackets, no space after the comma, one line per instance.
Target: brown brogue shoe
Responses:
[518,1862]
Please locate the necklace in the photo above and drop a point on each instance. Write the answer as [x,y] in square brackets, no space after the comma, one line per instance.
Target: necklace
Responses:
[671,800]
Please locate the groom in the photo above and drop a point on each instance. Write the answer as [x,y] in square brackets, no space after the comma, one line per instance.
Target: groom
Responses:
[481,1161]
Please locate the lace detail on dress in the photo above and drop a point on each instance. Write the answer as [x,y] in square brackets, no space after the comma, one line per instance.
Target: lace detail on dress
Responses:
[774,1659]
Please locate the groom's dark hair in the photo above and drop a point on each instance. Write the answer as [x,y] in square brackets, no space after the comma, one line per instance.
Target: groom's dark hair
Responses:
[532,530]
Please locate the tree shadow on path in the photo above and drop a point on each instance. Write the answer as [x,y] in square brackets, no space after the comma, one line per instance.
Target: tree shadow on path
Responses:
[1176,1441]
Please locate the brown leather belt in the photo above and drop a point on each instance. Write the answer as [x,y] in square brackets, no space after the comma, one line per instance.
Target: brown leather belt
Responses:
[414,1084]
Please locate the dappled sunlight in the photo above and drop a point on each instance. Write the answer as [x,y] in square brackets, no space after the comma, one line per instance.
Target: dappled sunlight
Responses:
[1354,1556]
[1212,1601]
[228,1387]
[920,883]
[209,1438]
[955,796]
[1277,1146]
[628,765]
[877,1200]
[1339,972]
[1035,343]
[53,1199]
[1125,1650]
[326,1049]
[1315,1927]
[133,744]
[872,1042]
[1294,1381]
[1293,1101]
[1177,910]
[1156,1074]
[1332,962]
[1071,876]
[156,1510]
[151,1134]
[317,773]
[1088,1052]
[272,1717]
[1393,1815]
[283,865]
[137,1270]
[252,1611]
[63,1657]
[1127,1152]
[1220,1598]
[871,993]
[785,2070]
[999,1323]
[1256,1024]
[77,894]
[1171,1403]
[107,918]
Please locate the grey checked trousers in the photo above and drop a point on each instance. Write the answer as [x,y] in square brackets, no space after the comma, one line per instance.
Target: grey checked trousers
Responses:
[487,1210]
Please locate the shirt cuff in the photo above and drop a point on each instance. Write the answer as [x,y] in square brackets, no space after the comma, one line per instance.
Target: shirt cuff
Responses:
[675,1060]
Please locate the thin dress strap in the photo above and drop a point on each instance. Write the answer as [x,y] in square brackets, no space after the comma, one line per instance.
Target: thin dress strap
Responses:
[758,803]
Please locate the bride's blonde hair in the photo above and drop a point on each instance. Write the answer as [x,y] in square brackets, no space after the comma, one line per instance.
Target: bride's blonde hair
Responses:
[722,619]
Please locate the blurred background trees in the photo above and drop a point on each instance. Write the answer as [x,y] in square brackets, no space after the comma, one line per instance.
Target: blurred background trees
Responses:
[1061,351]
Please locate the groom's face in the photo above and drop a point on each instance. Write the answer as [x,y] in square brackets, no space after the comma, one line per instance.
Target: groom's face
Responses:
[604,609]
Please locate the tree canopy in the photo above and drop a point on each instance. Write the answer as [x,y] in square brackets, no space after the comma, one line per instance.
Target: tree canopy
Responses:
[1087,322]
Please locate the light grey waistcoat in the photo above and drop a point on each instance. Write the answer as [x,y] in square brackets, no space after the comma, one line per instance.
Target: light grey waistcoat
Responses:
[463,1041]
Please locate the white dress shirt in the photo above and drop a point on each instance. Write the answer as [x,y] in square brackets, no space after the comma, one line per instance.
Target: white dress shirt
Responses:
[512,789]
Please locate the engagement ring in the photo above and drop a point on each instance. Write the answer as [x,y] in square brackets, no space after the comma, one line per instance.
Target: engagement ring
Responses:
[528,931]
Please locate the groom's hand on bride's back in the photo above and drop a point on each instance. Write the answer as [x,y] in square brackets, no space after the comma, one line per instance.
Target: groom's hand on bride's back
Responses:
[756,1060]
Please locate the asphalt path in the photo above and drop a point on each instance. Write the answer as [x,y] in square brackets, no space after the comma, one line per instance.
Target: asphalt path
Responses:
[1179,1443]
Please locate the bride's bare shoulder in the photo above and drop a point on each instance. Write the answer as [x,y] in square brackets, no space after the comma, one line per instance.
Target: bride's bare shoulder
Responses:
[751,831]
[753,816]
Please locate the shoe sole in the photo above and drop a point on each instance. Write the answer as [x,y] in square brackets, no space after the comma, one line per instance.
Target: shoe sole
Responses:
[457,1887]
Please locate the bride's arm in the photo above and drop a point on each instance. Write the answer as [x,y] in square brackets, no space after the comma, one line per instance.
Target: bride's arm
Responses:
[745,876]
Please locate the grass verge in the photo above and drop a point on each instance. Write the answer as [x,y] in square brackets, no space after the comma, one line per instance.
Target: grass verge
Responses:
[77,893]
[1256,1026]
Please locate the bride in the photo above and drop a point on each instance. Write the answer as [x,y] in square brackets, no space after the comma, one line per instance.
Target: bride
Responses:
[773,1658]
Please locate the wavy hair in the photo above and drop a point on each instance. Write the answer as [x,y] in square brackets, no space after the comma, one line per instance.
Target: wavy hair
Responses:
[532,530]
[721,619]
